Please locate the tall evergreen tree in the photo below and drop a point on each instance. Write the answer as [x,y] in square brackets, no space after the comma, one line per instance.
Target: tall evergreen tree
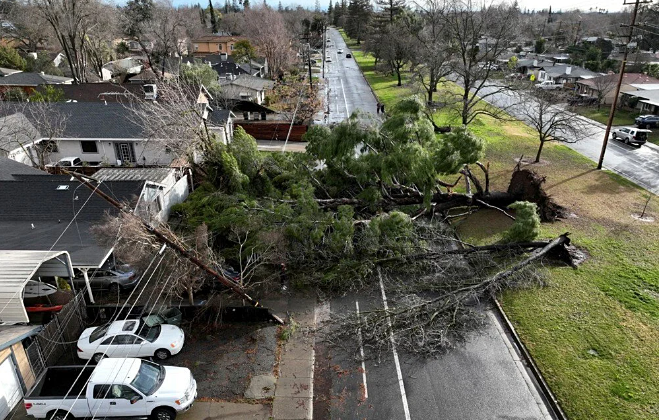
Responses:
[359,13]
[214,27]
[391,8]
[279,7]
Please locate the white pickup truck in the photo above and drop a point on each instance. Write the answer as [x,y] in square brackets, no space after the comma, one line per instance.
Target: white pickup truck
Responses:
[113,388]
[549,85]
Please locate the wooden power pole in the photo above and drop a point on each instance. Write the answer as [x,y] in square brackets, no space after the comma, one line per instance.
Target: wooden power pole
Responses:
[620,77]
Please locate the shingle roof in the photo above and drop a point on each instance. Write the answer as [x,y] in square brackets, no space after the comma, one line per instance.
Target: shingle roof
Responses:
[218,38]
[220,116]
[251,82]
[627,79]
[560,70]
[34,213]
[10,168]
[93,120]
[33,79]
[98,92]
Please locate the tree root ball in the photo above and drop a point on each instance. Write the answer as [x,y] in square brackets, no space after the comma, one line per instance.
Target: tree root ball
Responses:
[526,185]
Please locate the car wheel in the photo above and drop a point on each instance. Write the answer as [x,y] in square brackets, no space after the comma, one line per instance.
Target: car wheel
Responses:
[60,415]
[614,136]
[98,357]
[114,289]
[163,413]
[626,140]
[162,354]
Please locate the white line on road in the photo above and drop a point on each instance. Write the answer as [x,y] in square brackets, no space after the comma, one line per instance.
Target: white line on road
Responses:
[361,351]
[344,98]
[406,409]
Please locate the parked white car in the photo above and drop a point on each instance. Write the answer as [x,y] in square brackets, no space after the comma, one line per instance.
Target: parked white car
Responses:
[630,135]
[549,85]
[130,338]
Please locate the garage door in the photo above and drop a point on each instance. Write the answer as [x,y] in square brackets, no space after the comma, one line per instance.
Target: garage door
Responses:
[10,389]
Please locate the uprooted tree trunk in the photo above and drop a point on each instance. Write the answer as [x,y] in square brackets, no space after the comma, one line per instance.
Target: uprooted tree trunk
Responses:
[525,185]
[428,326]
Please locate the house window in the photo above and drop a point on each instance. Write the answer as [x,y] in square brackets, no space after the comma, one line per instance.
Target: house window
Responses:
[231,47]
[89,147]
[196,47]
[219,47]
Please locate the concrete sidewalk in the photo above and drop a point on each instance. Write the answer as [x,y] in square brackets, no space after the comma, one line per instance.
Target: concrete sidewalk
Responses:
[291,388]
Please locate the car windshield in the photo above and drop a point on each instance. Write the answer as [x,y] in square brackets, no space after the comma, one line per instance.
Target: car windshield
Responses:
[150,334]
[149,377]
[98,333]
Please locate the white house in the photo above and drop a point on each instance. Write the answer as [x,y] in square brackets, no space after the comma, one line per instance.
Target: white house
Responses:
[163,188]
[246,88]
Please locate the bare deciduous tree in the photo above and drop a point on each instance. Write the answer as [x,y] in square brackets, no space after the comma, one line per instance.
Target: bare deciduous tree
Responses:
[552,122]
[72,22]
[265,27]
[477,36]
[34,127]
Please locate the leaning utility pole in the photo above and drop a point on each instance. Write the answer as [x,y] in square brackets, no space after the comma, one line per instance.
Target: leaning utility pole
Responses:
[236,288]
[620,77]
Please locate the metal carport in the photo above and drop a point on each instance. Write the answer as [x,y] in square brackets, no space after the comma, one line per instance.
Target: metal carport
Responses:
[16,268]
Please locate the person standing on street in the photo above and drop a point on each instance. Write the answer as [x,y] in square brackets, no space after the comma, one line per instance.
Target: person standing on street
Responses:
[378,107]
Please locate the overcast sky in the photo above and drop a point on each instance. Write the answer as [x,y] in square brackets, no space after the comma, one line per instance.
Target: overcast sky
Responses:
[611,5]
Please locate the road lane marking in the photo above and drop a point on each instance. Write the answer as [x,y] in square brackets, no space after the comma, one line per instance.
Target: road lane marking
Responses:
[344,97]
[406,408]
[361,351]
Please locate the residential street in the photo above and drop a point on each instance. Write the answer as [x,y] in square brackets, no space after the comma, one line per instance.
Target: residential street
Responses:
[484,379]
[348,90]
[639,165]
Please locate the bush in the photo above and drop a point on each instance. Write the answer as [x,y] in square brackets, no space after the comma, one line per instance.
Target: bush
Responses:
[527,223]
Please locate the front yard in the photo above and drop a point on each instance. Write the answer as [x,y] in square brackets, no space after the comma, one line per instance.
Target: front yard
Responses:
[622,117]
[593,330]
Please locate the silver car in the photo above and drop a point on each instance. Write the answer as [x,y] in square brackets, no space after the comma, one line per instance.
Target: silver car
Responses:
[114,280]
[631,135]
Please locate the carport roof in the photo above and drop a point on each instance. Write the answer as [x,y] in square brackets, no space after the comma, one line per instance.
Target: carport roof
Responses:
[16,268]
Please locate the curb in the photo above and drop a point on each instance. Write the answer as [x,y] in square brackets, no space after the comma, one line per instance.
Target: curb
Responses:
[549,396]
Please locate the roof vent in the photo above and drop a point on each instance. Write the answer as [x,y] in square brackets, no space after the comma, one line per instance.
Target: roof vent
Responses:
[62,187]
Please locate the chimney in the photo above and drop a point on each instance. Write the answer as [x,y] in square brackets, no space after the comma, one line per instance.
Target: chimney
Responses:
[568,70]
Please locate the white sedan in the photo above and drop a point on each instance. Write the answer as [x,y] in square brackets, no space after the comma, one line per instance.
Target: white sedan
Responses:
[130,338]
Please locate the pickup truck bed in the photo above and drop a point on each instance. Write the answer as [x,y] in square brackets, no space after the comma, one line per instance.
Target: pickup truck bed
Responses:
[58,379]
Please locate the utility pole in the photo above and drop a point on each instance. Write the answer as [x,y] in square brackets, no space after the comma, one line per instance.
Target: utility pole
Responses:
[309,61]
[620,77]
[233,286]
[324,45]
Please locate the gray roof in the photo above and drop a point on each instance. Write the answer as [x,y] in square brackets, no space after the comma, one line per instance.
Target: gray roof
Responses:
[94,120]
[33,79]
[9,169]
[34,213]
[220,116]
[251,82]
[560,70]
[4,71]
[134,174]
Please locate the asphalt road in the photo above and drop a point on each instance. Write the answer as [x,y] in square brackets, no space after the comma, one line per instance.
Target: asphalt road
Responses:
[638,164]
[347,89]
[484,379]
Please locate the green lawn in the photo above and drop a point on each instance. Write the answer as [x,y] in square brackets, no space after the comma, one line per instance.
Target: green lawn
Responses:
[593,331]
[622,117]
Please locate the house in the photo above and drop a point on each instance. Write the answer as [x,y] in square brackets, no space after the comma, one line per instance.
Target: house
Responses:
[227,68]
[607,83]
[214,44]
[163,188]
[97,132]
[531,66]
[16,372]
[646,101]
[564,73]
[246,87]
[29,81]
[123,67]
[37,214]
[220,122]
